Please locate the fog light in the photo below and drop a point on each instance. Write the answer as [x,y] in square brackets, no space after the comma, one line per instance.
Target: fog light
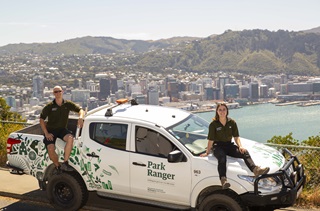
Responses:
[285,199]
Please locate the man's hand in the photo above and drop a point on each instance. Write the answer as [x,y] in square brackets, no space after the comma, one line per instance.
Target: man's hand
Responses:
[80,122]
[49,136]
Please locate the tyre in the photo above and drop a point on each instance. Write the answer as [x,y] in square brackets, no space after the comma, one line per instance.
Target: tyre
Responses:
[66,192]
[220,202]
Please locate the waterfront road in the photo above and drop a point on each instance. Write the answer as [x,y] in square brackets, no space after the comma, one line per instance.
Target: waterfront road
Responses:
[21,192]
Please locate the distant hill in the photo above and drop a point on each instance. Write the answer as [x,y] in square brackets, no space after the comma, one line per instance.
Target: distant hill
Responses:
[248,51]
[314,30]
[91,45]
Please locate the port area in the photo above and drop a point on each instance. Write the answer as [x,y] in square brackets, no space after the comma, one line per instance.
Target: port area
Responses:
[300,103]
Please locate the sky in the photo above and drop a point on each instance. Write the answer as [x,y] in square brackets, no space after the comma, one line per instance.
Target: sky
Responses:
[44,21]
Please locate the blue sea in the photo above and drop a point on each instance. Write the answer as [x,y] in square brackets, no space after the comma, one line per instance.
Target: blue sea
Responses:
[263,121]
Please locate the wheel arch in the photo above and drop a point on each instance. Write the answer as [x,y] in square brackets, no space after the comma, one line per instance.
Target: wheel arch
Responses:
[209,185]
[50,170]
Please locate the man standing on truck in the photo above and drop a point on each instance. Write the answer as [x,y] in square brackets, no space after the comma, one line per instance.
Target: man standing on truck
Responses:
[57,113]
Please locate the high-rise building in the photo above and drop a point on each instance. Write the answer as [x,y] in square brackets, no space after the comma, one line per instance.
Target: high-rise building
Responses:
[11,101]
[208,93]
[37,87]
[254,91]
[140,99]
[143,85]
[211,93]
[80,95]
[284,89]
[316,87]
[173,91]
[283,79]
[92,103]
[91,85]
[207,81]
[104,88]
[303,88]
[183,86]
[136,88]
[264,91]
[114,85]
[153,97]
[120,94]
[222,81]
[244,91]
[120,84]
[231,91]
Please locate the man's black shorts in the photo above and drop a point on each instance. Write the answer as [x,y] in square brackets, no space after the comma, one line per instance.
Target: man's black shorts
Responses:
[57,133]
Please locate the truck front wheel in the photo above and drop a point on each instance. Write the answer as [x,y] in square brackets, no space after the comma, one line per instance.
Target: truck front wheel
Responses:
[66,192]
[219,201]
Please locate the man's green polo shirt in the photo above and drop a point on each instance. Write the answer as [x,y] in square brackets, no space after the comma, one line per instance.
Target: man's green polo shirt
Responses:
[58,115]
[220,133]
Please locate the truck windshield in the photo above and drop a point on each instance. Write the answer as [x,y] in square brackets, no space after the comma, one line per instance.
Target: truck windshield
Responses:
[192,133]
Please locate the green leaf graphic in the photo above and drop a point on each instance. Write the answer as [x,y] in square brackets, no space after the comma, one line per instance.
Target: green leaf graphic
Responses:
[96,167]
[114,168]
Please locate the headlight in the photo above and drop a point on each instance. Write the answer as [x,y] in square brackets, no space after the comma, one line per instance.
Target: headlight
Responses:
[265,185]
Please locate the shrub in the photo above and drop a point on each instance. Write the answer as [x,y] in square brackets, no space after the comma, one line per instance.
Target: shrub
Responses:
[5,130]
[309,155]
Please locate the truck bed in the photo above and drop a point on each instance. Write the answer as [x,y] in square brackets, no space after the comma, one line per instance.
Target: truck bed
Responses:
[36,129]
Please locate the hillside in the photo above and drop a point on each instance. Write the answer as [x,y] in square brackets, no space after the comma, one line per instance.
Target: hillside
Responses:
[314,30]
[247,51]
[91,45]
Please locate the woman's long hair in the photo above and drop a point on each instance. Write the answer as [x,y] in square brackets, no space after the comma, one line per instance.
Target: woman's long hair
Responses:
[219,105]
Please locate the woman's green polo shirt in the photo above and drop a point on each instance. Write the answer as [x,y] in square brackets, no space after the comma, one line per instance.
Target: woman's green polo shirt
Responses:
[220,133]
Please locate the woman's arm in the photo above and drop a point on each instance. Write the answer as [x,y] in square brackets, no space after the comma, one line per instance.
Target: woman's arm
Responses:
[209,147]
[238,142]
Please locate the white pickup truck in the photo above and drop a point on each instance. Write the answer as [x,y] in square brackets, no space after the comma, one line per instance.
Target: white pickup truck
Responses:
[150,154]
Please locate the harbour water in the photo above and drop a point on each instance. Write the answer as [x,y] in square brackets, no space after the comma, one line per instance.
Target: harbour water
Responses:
[263,121]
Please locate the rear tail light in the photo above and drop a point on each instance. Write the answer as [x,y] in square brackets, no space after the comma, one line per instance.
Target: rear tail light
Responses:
[10,143]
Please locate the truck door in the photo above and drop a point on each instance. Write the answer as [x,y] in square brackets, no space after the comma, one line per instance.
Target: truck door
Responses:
[151,175]
[105,157]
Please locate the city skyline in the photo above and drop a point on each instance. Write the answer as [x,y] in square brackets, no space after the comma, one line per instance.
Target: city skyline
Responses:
[38,21]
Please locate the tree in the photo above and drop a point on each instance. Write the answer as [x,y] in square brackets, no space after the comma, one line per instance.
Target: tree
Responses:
[6,114]
[7,128]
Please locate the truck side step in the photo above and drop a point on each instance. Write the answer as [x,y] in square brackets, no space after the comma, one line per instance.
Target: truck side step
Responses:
[14,170]
[144,201]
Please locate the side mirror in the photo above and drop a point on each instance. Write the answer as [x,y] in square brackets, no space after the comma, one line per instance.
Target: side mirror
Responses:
[176,157]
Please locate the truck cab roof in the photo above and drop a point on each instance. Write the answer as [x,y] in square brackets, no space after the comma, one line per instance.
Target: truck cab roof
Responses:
[162,116]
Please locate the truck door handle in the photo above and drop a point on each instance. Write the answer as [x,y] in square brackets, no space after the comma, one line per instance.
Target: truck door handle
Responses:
[138,164]
[92,155]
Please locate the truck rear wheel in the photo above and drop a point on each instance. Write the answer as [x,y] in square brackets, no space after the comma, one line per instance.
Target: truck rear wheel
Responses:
[221,202]
[66,192]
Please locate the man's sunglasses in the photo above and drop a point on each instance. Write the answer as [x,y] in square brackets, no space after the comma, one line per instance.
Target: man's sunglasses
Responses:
[57,91]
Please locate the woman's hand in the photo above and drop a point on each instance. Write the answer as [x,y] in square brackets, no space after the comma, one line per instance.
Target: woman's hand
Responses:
[204,154]
[242,150]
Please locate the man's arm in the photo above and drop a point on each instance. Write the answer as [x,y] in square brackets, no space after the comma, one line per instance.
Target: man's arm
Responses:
[43,126]
[81,116]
